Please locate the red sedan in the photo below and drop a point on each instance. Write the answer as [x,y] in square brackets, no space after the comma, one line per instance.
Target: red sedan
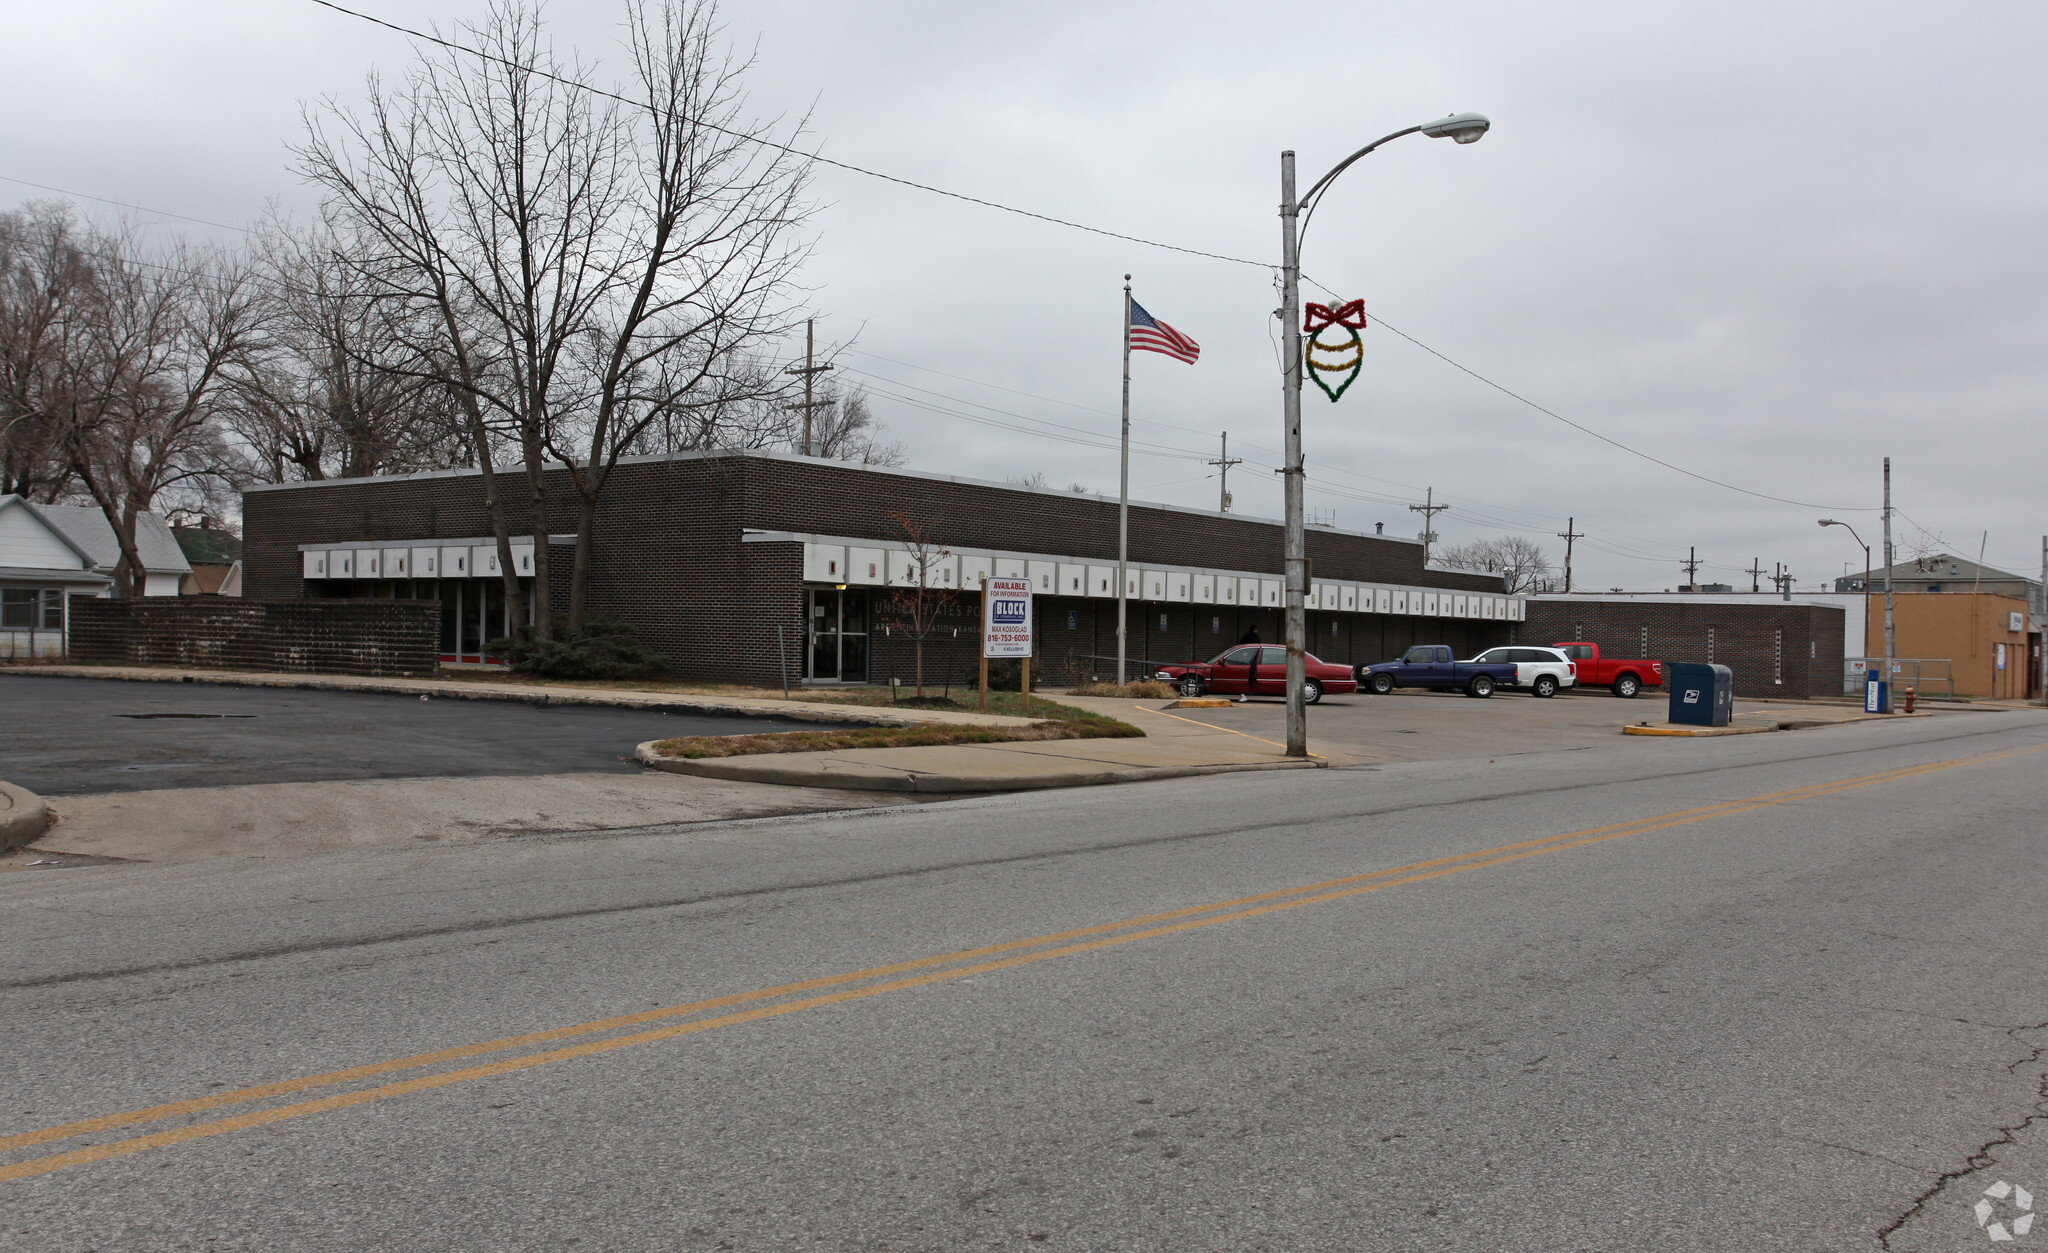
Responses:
[1256,670]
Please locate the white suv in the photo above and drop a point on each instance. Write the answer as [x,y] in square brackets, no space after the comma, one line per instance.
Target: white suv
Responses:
[1538,671]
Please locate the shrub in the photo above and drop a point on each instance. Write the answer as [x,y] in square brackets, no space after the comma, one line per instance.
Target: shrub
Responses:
[1142,689]
[602,648]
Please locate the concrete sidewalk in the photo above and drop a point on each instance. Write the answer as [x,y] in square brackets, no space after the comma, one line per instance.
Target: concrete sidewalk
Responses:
[1804,717]
[1173,747]
[538,694]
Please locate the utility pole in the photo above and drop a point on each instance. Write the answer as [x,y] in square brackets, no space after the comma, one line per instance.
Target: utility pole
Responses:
[808,369]
[1692,567]
[1428,509]
[1570,533]
[1294,541]
[1756,574]
[1891,637]
[2043,610]
[1783,580]
[1225,462]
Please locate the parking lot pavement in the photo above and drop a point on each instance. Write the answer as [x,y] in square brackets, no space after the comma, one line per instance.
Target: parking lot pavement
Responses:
[66,736]
[1411,725]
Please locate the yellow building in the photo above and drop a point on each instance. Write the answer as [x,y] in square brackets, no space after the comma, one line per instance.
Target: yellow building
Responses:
[1982,636]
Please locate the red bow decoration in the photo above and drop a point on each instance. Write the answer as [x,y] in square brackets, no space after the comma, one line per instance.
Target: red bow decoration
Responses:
[1349,314]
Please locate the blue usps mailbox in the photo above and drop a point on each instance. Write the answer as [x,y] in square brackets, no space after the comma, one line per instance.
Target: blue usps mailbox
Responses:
[1701,695]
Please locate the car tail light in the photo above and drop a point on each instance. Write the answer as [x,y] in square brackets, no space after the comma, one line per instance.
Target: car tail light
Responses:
[1572,668]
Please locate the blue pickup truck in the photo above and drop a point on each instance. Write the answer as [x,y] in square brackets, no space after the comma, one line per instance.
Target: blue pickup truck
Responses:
[1431,665]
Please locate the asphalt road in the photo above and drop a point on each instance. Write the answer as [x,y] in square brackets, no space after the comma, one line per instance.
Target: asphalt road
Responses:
[1758,993]
[66,736]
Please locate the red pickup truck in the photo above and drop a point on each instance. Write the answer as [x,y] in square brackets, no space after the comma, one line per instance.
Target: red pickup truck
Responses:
[1625,677]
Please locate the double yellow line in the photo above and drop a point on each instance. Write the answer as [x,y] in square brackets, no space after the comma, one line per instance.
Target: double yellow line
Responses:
[789,998]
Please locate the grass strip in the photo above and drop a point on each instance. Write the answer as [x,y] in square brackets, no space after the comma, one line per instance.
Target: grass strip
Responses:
[1060,722]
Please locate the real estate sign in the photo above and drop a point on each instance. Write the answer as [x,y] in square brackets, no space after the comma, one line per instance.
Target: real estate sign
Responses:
[1006,618]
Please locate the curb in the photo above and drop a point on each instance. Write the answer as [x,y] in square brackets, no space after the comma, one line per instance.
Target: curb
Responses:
[542,697]
[23,817]
[907,781]
[1696,731]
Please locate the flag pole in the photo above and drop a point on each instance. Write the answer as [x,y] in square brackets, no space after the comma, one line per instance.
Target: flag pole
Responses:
[1123,509]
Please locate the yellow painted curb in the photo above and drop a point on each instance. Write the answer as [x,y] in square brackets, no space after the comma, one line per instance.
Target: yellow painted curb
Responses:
[1216,703]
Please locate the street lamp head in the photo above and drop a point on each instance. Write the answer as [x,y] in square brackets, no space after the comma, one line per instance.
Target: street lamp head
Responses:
[1829,522]
[1466,128]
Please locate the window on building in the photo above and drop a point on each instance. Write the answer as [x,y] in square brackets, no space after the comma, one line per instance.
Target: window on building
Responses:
[31,609]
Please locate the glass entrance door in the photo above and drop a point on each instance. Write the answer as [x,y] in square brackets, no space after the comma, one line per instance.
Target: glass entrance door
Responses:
[838,631]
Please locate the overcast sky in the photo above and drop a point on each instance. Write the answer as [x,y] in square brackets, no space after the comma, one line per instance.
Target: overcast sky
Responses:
[1769,243]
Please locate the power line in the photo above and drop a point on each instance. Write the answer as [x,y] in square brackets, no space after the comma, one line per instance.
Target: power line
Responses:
[122,204]
[794,152]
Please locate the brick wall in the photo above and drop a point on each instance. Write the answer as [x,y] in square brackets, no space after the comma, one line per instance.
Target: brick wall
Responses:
[1775,648]
[372,638]
[668,558]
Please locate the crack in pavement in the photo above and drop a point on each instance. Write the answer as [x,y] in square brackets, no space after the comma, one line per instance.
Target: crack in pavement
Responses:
[1980,1157]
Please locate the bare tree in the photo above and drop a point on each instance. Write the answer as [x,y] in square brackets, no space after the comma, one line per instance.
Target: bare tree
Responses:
[1035,480]
[342,381]
[46,276]
[133,393]
[602,264]
[847,430]
[1519,561]
[916,605]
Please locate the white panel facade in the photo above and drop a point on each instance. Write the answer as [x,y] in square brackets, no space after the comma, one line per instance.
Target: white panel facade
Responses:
[824,563]
[426,563]
[1102,581]
[1269,593]
[367,562]
[1044,576]
[315,564]
[522,559]
[1134,583]
[397,563]
[1180,586]
[1460,606]
[1205,589]
[1347,599]
[866,567]
[974,569]
[483,561]
[1073,580]
[1010,567]
[1429,603]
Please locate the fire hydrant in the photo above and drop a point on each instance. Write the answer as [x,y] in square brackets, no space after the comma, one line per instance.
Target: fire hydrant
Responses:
[1909,700]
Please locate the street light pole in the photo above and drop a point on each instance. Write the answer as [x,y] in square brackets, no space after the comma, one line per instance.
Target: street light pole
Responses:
[1891,638]
[1866,579]
[1294,547]
[1463,127]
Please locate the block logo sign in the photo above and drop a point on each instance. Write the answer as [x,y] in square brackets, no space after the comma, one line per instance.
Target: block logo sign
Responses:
[1006,618]
[2005,1211]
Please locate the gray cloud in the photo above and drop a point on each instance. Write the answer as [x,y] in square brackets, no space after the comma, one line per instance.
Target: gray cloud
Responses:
[1769,242]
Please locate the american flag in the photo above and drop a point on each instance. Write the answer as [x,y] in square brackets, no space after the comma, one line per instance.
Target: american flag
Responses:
[1152,335]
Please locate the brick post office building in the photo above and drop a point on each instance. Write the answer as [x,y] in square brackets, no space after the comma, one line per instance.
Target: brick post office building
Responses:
[706,555]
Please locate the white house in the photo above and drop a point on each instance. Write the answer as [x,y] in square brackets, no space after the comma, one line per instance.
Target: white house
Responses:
[49,553]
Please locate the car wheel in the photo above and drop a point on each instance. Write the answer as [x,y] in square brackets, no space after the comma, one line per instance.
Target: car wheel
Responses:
[1545,685]
[1311,691]
[1627,686]
[1380,684]
[1190,686]
[1481,686]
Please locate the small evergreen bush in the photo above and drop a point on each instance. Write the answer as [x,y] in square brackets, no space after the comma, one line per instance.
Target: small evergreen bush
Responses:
[603,648]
